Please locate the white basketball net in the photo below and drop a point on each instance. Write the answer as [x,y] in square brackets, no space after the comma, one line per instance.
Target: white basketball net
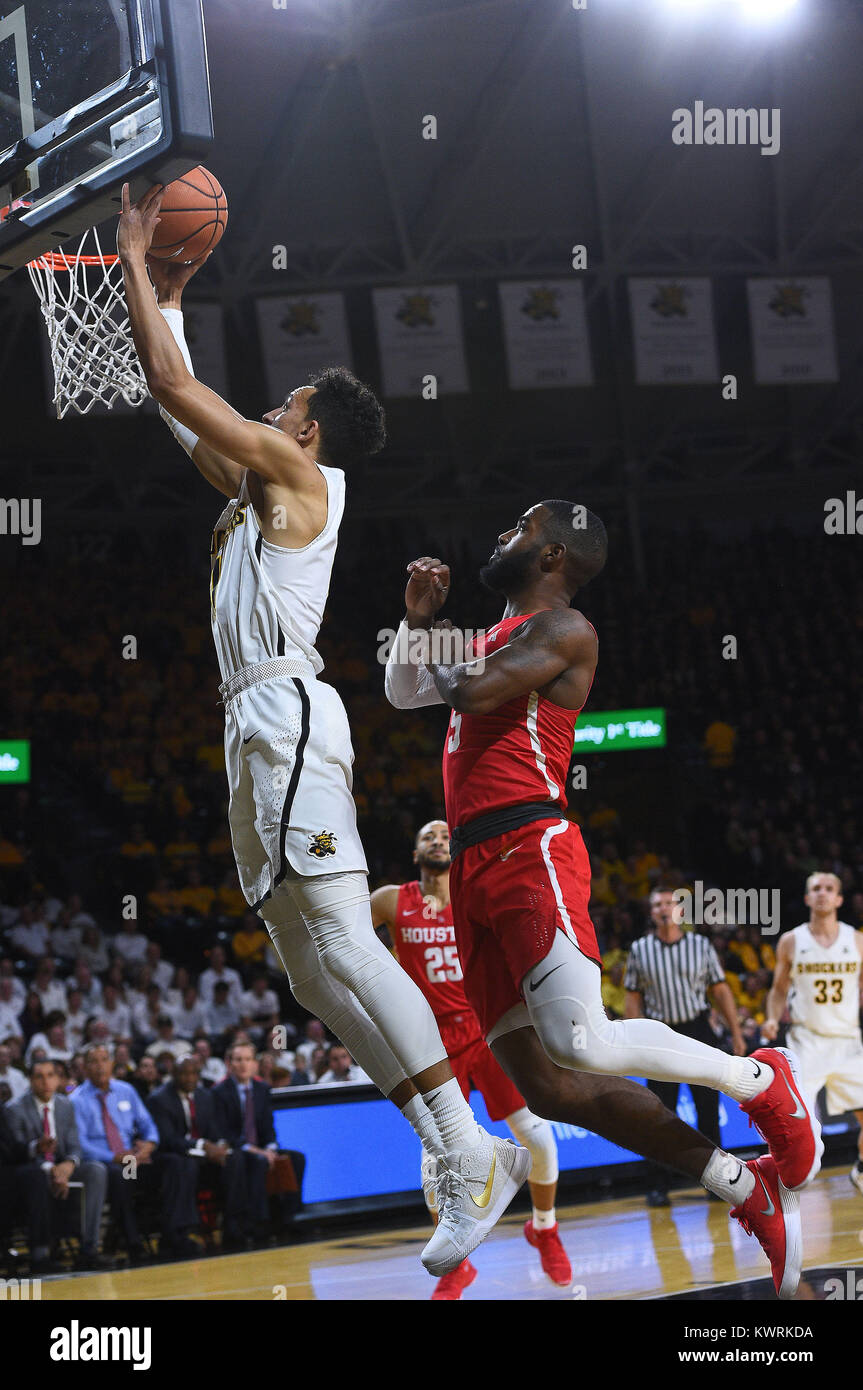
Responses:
[83,305]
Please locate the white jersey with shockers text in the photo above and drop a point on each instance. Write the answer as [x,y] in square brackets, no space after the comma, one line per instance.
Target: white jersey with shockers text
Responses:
[825,983]
[267,601]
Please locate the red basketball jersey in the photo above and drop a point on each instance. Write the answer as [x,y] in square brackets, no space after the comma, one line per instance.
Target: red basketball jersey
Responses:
[519,752]
[424,943]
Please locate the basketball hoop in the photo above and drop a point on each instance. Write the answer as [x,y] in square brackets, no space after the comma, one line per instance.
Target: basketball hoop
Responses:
[92,350]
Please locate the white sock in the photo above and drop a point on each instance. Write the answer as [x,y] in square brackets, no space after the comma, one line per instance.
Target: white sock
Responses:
[453,1117]
[728,1178]
[418,1115]
[748,1078]
[543,1220]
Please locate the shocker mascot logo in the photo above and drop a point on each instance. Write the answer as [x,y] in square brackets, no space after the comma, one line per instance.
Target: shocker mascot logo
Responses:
[322,844]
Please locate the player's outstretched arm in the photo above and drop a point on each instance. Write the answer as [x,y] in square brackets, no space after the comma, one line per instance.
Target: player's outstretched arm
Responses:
[170,279]
[778,991]
[543,648]
[273,455]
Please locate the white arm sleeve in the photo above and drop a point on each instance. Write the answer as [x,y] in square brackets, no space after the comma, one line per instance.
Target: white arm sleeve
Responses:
[407,682]
[183,436]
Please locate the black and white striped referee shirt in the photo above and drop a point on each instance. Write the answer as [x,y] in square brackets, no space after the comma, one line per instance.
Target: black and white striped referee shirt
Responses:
[673,978]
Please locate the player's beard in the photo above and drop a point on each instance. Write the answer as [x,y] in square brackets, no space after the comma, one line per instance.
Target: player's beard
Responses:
[508,574]
[434,866]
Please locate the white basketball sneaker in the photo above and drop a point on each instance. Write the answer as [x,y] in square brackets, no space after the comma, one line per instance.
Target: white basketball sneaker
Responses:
[429,1170]
[474,1189]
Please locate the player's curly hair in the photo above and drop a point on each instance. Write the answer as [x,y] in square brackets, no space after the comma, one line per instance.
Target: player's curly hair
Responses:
[350,416]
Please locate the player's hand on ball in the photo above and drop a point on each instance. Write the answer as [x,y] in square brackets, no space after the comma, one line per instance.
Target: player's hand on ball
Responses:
[138,222]
[427,588]
[171,277]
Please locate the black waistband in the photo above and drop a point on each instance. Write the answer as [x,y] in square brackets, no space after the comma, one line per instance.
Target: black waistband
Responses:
[499,822]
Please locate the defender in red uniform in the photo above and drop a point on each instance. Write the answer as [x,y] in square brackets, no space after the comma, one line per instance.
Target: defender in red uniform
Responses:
[520,881]
[417,918]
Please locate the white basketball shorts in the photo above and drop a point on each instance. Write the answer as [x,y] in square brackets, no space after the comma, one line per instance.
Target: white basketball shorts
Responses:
[835,1063]
[289,761]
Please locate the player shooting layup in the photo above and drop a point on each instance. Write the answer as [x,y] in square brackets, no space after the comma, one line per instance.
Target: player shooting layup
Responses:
[520,878]
[287,743]
[418,918]
[819,962]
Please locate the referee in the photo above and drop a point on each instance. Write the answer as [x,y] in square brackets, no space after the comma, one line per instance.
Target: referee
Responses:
[668,976]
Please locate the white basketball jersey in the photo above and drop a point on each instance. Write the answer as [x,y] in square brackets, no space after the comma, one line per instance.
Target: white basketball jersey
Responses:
[825,983]
[265,600]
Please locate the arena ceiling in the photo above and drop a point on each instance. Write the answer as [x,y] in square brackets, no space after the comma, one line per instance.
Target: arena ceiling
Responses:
[553,127]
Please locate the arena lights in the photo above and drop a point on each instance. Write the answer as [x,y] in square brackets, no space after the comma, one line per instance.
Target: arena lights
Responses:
[755,11]
[766,10]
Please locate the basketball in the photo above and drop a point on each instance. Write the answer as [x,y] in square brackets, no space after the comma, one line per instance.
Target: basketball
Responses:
[193,216]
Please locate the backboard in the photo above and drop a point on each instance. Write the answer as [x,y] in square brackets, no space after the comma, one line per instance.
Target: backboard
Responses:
[92,93]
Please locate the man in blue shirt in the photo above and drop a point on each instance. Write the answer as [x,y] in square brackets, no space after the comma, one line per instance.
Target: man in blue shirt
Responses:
[116,1129]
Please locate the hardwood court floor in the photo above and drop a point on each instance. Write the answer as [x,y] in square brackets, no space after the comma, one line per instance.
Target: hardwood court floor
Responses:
[619,1250]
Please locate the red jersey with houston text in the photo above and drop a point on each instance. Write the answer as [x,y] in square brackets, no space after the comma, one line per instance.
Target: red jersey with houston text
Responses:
[424,942]
[519,752]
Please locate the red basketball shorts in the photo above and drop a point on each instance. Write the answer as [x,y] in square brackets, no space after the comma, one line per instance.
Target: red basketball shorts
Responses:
[474,1066]
[509,896]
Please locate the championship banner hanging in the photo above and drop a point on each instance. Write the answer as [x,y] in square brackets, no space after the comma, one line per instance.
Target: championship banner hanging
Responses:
[300,334]
[420,337]
[545,329]
[792,330]
[672,330]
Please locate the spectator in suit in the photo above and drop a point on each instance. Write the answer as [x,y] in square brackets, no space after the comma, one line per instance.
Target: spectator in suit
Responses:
[185,1114]
[24,1197]
[245,1119]
[43,1120]
[117,1130]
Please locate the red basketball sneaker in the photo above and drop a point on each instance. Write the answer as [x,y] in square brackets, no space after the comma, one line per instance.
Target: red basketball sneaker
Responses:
[782,1118]
[451,1286]
[772,1214]
[552,1255]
